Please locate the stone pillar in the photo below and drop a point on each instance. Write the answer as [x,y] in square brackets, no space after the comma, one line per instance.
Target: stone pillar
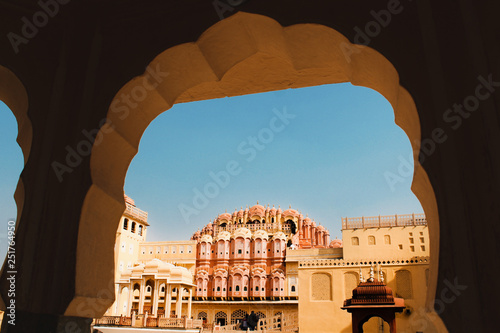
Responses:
[168,300]
[117,300]
[190,300]
[130,298]
[154,309]
[178,305]
[141,296]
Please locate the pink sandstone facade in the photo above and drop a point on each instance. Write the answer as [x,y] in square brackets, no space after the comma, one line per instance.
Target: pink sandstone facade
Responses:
[241,256]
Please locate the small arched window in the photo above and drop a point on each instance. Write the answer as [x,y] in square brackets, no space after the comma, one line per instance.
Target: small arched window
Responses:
[125,224]
[140,230]
[218,288]
[387,239]
[257,288]
[293,288]
[237,288]
[371,240]
[133,227]
[245,288]
[355,241]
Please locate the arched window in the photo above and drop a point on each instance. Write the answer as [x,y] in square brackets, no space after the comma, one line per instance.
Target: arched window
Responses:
[237,316]
[371,240]
[245,288]
[355,240]
[140,230]
[125,224]
[257,288]
[321,287]
[350,282]
[272,219]
[387,239]
[133,227]
[221,318]
[218,288]
[237,288]
[403,284]
[293,289]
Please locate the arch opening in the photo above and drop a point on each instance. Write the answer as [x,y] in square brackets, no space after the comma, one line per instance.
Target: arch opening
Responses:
[291,57]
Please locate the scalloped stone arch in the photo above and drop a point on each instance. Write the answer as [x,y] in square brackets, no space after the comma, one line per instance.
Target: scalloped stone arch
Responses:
[243,54]
[14,95]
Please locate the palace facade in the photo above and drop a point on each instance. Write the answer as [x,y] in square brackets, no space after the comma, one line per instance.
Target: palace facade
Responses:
[271,262]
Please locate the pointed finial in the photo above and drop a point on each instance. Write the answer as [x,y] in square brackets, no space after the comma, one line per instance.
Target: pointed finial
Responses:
[257,202]
[289,206]
[361,276]
[372,274]
[226,210]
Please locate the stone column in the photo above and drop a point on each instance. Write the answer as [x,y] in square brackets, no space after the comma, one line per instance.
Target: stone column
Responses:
[118,298]
[190,300]
[168,300]
[178,305]
[154,310]
[130,298]
[141,297]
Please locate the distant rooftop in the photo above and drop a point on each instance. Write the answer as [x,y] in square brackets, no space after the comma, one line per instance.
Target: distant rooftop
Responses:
[349,223]
[132,211]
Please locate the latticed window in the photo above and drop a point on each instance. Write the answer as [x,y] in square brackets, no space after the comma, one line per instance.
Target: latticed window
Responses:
[321,287]
[260,315]
[403,284]
[202,315]
[350,282]
[238,316]
[221,318]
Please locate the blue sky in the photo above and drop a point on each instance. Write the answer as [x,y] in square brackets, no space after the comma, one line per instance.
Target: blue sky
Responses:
[328,158]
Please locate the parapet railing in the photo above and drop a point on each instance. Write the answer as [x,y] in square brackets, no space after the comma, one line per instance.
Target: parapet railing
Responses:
[268,227]
[145,321]
[365,262]
[136,213]
[406,220]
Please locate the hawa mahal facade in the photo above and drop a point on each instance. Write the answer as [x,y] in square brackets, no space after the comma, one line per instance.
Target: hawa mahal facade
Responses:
[241,256]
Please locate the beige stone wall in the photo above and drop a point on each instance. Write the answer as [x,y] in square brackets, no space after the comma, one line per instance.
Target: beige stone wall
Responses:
[325,284]
[180,253]
[269,308]
[387,243]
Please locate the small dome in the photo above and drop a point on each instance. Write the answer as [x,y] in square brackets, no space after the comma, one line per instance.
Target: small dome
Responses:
[257,210]
[206,239]
[223,235]
[307,221]
[279,235]
[262,234]
[242,232]
[291,212]
[209,226]
[225,216]
[240,213]
[313,224]
[279,210]
[321,228]
[272,211]
[336,243]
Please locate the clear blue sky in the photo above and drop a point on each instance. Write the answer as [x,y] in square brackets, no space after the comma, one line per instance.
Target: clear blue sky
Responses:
[329,161]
